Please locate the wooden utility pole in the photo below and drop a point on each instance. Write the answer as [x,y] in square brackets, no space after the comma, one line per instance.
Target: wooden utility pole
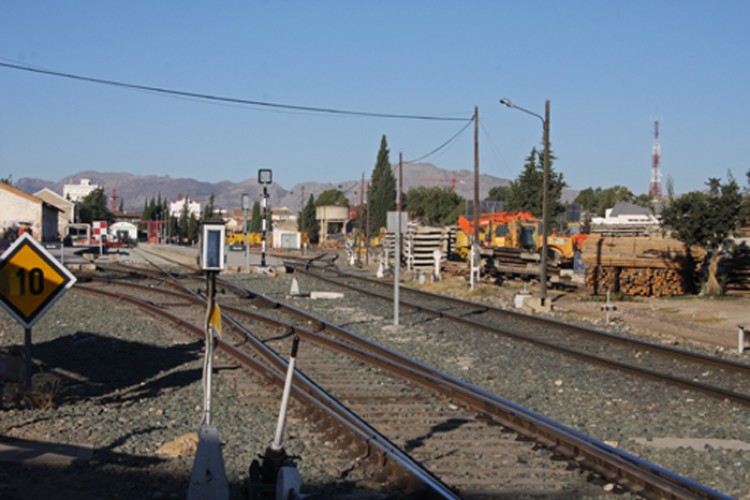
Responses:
[476,174]
[360,216]
[397,244]
[545,206]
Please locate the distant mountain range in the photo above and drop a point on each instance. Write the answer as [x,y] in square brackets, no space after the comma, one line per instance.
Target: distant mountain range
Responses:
[136,190]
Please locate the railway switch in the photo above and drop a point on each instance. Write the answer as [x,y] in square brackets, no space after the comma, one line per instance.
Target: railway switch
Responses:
[277,475]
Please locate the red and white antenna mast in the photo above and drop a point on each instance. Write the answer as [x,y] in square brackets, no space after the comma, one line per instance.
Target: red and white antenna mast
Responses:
[654,189]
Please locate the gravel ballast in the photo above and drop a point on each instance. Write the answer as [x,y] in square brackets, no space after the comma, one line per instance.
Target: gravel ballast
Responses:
[709,439]
[127,391]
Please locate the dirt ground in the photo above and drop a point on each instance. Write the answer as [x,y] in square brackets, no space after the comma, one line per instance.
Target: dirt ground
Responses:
[707,322]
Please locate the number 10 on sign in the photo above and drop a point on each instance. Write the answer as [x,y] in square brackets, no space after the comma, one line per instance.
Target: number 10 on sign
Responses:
[31,280]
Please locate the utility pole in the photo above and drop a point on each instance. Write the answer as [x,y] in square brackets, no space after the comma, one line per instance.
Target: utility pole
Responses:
[397,244]
[474,260]
[360,215]
[476,174]
[545,206]
[545,193]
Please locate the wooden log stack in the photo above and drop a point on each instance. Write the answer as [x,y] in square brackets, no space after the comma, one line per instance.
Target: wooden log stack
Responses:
[638,266]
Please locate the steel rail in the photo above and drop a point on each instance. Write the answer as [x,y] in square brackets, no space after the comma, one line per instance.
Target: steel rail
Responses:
[545,322]
[631,472]
[377,447]
[707,389]
[638,475]
[672,351]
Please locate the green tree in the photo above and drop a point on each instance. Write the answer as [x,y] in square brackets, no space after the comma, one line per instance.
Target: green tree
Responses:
[145,214]
[93,207]
[707,219]
[436,205]
[210,208]
[183,223]
[7,180]
[256,223]
[610,196]
[598,200]
[646,200]
[148,208]
[499,193]
[527,190]
[332,197]
[588,198]
[381,194]
[308,223]
[192,228]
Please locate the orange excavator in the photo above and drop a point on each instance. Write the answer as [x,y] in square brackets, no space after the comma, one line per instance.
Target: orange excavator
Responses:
[511,243]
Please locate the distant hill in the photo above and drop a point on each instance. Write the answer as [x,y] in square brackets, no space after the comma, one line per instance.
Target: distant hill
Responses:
[136,190]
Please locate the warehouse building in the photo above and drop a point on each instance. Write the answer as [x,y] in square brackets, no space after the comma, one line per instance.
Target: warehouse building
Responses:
[22,212]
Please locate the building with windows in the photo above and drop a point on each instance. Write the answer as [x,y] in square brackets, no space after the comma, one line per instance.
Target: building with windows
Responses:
[77,192]
[176,207]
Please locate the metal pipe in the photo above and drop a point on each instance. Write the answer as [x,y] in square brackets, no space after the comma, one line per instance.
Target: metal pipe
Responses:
[276,445]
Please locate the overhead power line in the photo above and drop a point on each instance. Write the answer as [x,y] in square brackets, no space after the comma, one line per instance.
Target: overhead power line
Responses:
[445,144]
[232,100]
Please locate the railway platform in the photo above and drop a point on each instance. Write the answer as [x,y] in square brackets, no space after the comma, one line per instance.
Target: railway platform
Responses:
[236,260]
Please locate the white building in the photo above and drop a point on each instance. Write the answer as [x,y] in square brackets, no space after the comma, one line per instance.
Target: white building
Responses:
[76,192]
[124,230]
[626,218]
[176,207]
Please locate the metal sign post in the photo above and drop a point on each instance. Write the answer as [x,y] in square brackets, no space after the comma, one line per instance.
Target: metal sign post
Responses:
[396,223]
[209,478]
[31,280]
[100,231]
[264,178]
[246,207]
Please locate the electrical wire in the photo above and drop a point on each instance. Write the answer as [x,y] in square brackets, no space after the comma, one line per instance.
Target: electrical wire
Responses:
[231,100]
[445,144]
[500,160]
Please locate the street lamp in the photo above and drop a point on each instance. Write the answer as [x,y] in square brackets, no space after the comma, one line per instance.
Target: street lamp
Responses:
[545,191]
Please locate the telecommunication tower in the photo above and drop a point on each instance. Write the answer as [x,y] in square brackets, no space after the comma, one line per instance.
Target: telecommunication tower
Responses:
[654,188]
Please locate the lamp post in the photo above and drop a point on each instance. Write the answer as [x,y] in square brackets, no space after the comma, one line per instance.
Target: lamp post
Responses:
[545,191]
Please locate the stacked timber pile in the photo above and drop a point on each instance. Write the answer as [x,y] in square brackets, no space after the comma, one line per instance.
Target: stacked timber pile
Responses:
[636,265]
[737,269]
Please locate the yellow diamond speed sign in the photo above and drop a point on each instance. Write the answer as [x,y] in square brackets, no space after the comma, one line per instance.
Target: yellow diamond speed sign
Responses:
[31,280]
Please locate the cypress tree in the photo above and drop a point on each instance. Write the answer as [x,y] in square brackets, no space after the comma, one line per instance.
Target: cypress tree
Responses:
[526,191]
[256,224]
[381,195]
[308,222]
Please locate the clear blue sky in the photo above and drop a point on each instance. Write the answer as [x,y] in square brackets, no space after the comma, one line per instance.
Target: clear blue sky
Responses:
[608,67]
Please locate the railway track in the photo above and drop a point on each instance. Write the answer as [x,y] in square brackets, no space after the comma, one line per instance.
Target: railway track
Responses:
[477,443]
[713,376]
